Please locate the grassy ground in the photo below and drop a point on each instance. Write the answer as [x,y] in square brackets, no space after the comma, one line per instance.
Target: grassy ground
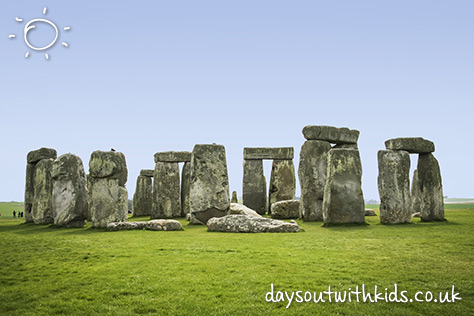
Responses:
[52,271]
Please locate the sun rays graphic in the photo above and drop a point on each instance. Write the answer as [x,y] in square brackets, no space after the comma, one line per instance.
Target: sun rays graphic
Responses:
[31,25]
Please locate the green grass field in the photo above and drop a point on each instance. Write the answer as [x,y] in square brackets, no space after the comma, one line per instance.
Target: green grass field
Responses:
[46,270]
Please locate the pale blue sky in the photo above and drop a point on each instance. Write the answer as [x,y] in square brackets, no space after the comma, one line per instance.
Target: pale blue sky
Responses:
[148,76]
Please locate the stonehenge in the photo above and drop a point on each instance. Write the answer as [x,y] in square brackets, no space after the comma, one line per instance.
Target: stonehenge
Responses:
[282,180]
[142,198]
[397,203]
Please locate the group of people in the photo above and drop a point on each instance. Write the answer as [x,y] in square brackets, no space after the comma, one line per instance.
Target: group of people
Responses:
[20,214]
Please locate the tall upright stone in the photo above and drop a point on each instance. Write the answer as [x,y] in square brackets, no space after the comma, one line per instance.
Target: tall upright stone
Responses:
[394,187]
[70,202]
[415,193]
[234,198]
[143,197]
[282,182]
[254,188]
[166,187]
[108,195]
[343,198]
[209,187]
[185,184]
[431,188]
[42,210]
[312,175]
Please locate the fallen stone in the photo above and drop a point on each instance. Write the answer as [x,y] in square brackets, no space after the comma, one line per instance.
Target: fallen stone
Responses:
[250,224]
[108,164]
[69,195]
[42,209]
[164,224]
[282,182]
[370,212]
[143,197]
[40,154]
[394,187]
[259,153]
[234,197]
[331,134]
[117,226]
[416,145]
[147,173]
[108,203]
[166,187]
[173,156]
[312,176]
[343,198]
[285,209]
[254,186]
[416,214]
[240,209]
[431,188]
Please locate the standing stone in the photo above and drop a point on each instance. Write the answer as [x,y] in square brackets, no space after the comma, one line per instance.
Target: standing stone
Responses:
[108,164]
[415,193]
[312,175]
[89,180]
[394,187]
[166,197]
[234,197]
[185,183]
[42,211]
[29,191]
[254,188]
[69,191]
[209,188]
[282,182]
[431,188]
[109,202]
[343,198]
[143,198]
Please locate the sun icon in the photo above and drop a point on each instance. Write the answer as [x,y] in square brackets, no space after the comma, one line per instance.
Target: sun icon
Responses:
[30,25]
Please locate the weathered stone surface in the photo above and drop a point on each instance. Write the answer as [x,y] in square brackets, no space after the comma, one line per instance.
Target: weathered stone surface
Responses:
[89,181]
[166,186]
[109,202]
[108,164]
[416,214]
[116,226]
[236,208]
[282,182]
[164,224]
[415,145]
[415,193]
[254,186]
[234,197]
[331,134]
[42,153]
[370,212]
[42,210]
[70,202]
[173,156]
[185,184]
[209,187]
[312,175]
[286,209]
[147,173]
[143,197]
[29,191]
[431,188]
[250,224]
[259,153]
[343,198]
[394,186]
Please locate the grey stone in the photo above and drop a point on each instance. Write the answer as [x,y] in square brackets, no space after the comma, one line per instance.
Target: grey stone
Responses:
[109,202]
[108,164]
[394,187]
[431,188]
[312,175]
[416,145]
[415,193]
[117,226]
[285,209]
[166,186]
[42,210]
[29,191]
[209,187]
[250,224]
[147,173]
[70,202]
[173,156]
[236,208]
[416,214]
[331,134]
[89,181]
[143,197]
[259,153]
[282,182]
[42,153]
[164,224]
[185,184]
[343,197]
[254,186]
[370,212]
[234,197]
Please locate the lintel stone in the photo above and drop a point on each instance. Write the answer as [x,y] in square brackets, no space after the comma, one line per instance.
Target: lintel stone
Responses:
[147,173]
[42,153]
[173,156]
[277,153]
[414,145]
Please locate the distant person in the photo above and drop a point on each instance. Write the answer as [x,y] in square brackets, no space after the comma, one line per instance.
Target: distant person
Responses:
[14,214]
[22,214]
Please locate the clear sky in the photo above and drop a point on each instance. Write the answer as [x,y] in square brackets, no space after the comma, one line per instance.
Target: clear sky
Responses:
[149,76]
